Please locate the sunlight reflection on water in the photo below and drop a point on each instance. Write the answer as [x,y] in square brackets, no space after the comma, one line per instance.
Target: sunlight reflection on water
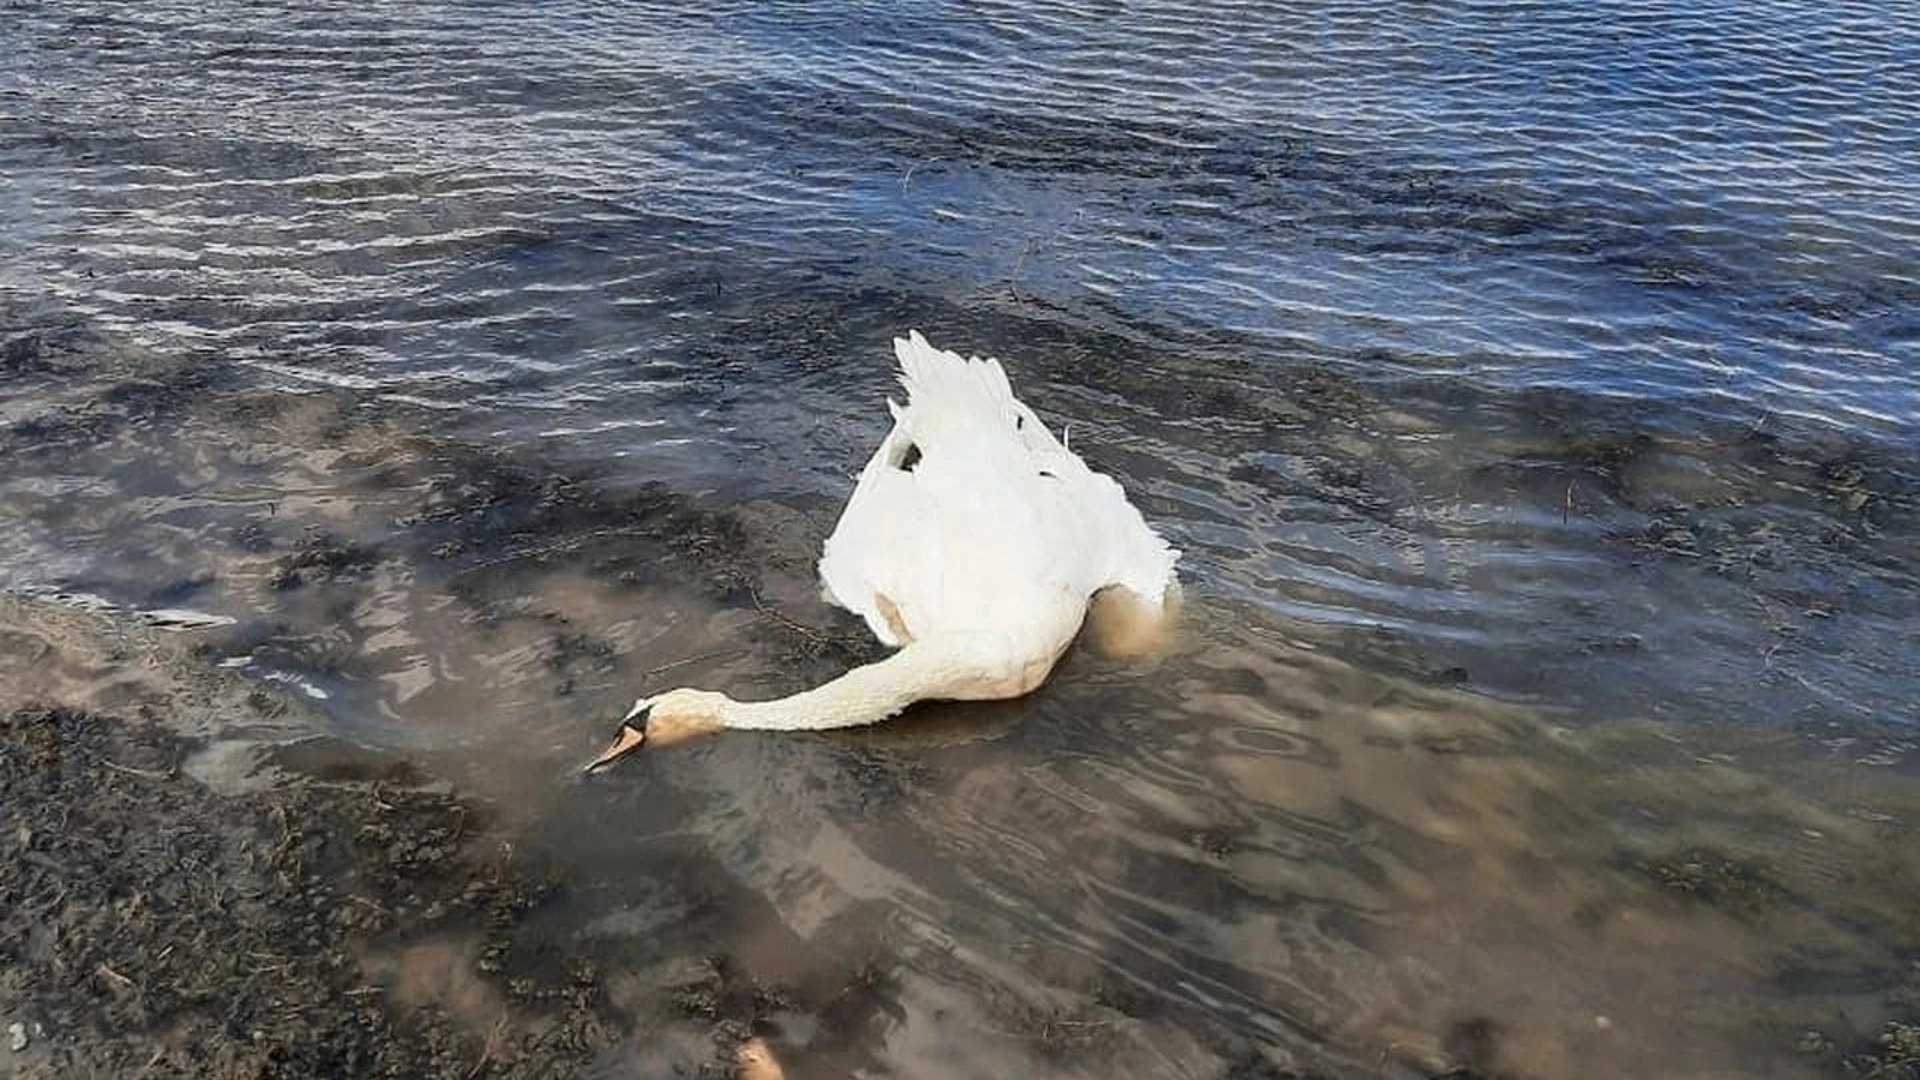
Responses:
[1530,390]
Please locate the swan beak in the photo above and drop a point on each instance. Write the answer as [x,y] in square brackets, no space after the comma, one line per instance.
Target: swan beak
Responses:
[631,735]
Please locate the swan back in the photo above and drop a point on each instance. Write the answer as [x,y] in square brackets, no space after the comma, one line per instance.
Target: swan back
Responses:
[972,517]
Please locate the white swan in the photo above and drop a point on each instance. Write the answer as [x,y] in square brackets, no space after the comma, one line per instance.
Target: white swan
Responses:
[973,542]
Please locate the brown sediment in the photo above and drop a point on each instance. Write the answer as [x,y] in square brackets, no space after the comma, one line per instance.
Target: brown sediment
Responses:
[163,928]
[754,1061]
[1120,625]
[1419,879]
[165,913]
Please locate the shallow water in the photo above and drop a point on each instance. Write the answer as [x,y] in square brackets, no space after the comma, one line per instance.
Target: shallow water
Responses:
[1531,391]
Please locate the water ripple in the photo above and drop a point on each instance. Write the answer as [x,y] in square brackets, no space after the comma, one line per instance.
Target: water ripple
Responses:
[1227,239]
[1560,351]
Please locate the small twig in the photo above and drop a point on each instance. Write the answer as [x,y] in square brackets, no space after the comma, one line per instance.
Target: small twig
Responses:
[1047,1027]
[486,1049]
[663,668]
[151,1062]
[907,177]
[148,773]
[789,623]
[1013,275]
[116,977]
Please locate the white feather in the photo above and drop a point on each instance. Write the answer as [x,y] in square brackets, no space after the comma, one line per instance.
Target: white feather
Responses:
[995,527]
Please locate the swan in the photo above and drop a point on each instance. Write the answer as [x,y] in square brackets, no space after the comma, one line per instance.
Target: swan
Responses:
[973,543]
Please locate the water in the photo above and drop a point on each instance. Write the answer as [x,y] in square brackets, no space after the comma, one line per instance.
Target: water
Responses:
[1531,388]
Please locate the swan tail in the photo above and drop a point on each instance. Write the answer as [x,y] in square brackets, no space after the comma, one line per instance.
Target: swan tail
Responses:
[949,394]
[968,401]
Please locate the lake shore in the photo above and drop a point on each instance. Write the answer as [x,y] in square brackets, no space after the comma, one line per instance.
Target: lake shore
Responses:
[361,921]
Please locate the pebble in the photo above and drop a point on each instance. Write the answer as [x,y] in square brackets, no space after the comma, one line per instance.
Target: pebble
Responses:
[17,1039]
[753,1061]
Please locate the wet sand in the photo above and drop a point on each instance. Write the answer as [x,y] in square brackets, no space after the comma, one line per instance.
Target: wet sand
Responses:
[238,905]
[170,915]
[268,901]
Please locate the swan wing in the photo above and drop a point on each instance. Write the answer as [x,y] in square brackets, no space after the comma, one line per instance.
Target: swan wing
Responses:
[871,550]
[971,516]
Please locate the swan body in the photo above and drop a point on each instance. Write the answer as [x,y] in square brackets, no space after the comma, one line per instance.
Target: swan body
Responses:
[973,542]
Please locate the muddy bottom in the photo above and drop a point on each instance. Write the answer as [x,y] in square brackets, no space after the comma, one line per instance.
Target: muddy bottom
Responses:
[295,695]
[224,906]
[163,913]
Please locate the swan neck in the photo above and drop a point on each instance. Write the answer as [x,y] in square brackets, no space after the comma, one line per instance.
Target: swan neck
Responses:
[865,695]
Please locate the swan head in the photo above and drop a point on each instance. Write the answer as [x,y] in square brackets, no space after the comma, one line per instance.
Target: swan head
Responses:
[662,720]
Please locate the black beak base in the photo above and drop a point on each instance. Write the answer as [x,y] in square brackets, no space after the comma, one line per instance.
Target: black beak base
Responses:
[631,735]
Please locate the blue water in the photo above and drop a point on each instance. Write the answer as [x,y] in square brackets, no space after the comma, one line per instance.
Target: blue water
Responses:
[1565,353]
[1712,207]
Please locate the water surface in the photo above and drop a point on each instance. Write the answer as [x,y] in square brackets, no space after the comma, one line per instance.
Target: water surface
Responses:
[1530,388]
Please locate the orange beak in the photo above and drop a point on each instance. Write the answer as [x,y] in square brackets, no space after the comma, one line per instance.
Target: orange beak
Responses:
[631,735]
